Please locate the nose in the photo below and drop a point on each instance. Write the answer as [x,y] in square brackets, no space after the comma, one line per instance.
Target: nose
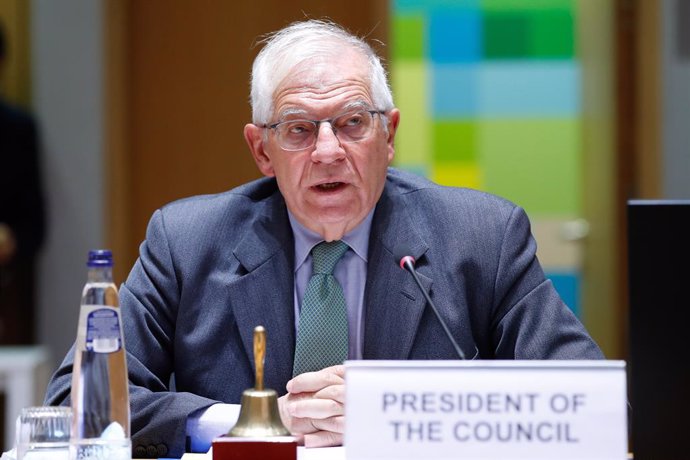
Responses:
[327,148]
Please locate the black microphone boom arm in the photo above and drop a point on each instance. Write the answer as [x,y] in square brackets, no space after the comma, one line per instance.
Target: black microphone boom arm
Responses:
[407,263]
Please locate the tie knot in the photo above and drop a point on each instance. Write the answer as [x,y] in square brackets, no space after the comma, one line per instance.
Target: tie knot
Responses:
[326,255]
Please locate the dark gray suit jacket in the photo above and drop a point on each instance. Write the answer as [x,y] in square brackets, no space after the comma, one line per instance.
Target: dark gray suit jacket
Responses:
[214,267]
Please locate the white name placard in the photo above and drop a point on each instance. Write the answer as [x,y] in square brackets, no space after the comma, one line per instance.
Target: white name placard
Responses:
[486,410]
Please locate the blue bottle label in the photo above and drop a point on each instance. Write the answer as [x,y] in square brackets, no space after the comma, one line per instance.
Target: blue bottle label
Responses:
[103,329]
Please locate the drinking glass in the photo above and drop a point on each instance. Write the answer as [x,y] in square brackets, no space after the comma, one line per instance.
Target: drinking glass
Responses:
[43,433]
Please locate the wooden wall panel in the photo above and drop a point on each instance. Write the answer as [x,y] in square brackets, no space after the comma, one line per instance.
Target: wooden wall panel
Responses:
[600,297]
[648,112]
[15,76]
[183,70]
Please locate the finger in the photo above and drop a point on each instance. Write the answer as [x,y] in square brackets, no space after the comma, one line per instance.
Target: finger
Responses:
[293,424]
[315,381]
[334,392]
[338,369]
[302,426]
[315,408]
[332,424]
[323,439]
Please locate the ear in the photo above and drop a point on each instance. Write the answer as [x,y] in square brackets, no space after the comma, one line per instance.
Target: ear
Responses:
[393,118]
[255,140]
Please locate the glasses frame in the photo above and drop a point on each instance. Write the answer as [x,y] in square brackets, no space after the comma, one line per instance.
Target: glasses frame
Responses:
[317,125]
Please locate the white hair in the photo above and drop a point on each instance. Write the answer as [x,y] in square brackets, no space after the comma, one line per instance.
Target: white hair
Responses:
[285,49]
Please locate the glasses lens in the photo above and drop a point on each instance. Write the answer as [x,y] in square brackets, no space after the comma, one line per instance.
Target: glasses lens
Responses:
[296,135]
[353,127]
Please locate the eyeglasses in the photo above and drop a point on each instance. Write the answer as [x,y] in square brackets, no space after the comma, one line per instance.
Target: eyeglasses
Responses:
[295,135]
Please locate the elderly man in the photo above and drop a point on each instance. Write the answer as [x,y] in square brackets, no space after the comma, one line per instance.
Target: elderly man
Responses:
[307,252]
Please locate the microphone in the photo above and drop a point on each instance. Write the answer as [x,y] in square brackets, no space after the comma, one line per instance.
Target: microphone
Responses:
[407,262]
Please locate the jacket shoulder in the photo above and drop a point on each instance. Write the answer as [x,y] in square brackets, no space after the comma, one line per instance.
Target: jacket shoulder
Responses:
[236,200]
[214,220]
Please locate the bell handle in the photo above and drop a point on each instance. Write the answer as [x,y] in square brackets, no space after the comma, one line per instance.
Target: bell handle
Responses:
[259,355]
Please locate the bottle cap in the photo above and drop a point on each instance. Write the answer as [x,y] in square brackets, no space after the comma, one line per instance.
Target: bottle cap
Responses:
[100,258]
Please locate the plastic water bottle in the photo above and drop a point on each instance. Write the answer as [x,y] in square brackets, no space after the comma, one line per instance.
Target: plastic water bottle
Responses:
[100,395]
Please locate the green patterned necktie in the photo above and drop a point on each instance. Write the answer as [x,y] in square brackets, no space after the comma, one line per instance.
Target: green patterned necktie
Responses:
[322,337]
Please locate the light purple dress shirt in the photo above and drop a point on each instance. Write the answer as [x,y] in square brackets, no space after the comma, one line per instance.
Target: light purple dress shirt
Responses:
[350,271]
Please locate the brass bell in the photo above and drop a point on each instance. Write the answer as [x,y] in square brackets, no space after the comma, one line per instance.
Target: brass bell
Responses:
[259,414]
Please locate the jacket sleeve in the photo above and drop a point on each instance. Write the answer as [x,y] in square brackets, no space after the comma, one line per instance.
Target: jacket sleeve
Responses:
[530,319]
[149,301]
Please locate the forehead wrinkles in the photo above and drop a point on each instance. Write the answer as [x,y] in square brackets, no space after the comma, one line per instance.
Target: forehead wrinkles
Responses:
[322,91]
[303,99]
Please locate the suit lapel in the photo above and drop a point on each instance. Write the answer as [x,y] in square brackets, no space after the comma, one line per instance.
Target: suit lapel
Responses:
[393,304]
[264,296]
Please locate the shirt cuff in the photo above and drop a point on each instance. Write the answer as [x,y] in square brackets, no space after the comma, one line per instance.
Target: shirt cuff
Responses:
[204,425]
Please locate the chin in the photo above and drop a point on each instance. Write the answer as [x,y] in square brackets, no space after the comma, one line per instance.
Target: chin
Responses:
[333,214]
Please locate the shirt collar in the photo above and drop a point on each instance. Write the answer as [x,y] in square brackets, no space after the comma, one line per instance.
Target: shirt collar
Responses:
[357,239]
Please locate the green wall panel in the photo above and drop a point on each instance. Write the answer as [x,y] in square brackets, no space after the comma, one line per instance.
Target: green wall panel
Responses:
[455,141]
[506,35]
[534,163]
[408,37]
[552,34]
[413,140]
[517,5]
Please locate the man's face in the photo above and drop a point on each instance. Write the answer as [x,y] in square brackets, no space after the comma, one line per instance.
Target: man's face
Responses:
[331,186]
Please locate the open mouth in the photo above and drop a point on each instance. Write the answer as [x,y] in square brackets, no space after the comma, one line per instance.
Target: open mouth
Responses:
[330,186]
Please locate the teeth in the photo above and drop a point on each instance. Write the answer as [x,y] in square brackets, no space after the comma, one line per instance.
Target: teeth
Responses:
[330,185]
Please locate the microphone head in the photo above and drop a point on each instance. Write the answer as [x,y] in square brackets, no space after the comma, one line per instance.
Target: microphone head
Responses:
[405,260]
[402,255]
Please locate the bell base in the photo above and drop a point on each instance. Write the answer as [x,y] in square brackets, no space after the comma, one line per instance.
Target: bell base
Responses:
[259,416]
[273,448]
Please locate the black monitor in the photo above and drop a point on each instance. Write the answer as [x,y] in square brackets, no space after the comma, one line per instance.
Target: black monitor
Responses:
[659,276]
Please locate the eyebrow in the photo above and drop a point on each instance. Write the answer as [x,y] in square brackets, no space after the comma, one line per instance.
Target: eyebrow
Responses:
[292,111]
[359,104]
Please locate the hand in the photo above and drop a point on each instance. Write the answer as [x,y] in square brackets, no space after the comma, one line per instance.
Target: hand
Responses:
[314,408]
[8,244]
